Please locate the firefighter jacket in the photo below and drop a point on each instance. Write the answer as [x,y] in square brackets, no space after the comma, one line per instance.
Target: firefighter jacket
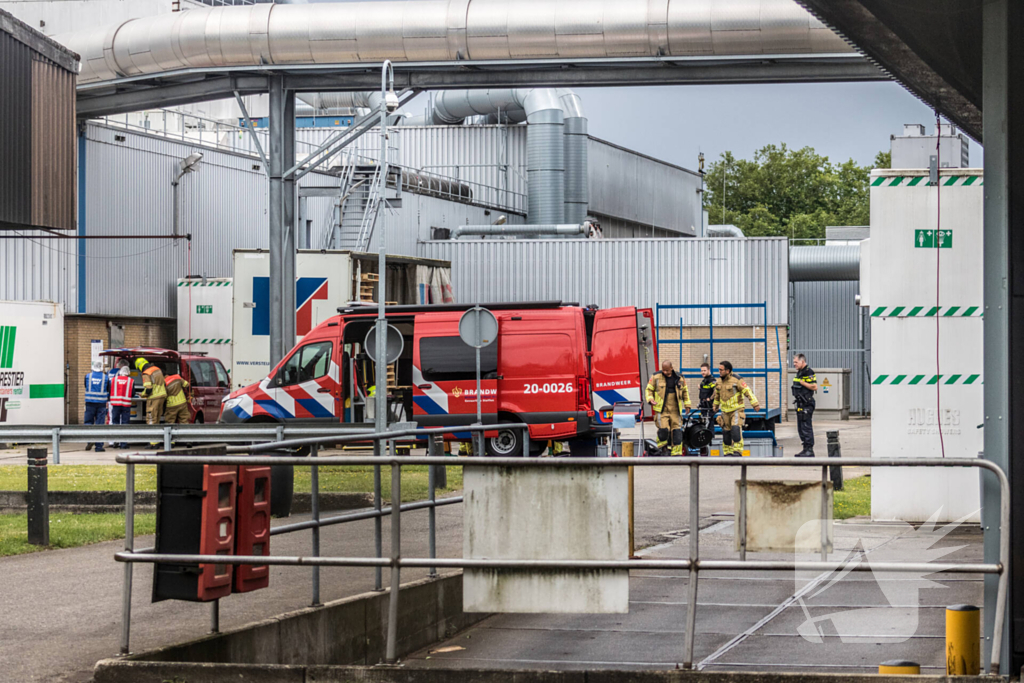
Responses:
[176,387]
[803,396]
[97,387]
[707,391]
[657,387]
[152,379]
[730,392]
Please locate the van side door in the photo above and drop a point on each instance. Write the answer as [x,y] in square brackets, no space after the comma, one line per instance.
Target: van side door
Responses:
[615,364]
[444,375]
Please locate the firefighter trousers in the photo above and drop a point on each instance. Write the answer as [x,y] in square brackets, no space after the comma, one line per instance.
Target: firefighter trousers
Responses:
[155,409]
[732,432]
[670,429]
[804,426]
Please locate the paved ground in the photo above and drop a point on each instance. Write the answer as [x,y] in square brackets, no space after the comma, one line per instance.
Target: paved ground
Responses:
[744,621]
[61,609]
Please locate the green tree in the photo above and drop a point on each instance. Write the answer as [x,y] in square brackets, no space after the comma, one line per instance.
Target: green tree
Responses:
[793,193]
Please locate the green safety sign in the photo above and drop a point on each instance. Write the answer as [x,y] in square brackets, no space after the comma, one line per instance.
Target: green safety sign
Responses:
[931,239]
[204,308]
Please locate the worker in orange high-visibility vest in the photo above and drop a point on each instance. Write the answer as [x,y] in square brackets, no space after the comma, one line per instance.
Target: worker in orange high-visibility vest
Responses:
[176,411]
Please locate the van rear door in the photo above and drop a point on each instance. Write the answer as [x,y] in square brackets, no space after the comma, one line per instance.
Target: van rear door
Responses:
[617,372]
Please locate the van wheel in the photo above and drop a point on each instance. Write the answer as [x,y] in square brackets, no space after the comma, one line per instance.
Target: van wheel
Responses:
[507,444]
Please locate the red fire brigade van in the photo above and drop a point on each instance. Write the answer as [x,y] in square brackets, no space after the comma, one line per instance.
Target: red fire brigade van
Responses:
[557,367]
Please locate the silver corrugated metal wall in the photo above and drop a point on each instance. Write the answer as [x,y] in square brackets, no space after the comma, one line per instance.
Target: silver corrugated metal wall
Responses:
[39,270]
[825,325]
[639,272]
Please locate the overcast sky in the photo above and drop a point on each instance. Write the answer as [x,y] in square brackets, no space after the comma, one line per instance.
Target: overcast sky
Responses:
[839,120]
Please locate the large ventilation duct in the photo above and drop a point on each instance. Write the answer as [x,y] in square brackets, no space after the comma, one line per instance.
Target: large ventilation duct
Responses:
[446,30]
[577,191]
[542,108]
[828,262]
[725,231]
[521,230]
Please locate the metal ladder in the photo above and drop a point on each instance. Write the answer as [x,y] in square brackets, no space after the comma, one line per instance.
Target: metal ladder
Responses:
[353,205]
[374,197]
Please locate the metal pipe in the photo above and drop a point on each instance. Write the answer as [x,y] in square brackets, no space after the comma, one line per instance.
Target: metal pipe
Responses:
[432,510]
[520,230]
[378,578]
[725,231]
[364,436]
[396,554]
[437,30]
[824,514]
[129,546]
[315,509]
[829,262]
[691,607]
[215,616]
[459,563]
[276,200]
[743,513]
[288,256]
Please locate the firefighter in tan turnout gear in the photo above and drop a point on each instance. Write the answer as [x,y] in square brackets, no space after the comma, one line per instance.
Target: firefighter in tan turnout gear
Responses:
[667,392]
[729,399]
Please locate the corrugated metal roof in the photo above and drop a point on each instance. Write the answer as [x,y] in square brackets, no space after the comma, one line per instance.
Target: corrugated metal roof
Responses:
[640,272]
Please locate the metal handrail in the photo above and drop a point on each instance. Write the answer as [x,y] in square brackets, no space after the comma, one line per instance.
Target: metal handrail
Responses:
[693,563]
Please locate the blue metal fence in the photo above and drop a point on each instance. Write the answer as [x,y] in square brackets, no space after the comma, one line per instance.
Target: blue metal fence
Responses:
[767,412]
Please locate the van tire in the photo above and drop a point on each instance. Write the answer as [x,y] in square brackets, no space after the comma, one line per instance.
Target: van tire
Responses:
[507,444]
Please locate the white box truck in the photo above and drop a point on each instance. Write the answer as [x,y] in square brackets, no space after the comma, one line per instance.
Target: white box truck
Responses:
[31,363]
[325,280]
[204,317]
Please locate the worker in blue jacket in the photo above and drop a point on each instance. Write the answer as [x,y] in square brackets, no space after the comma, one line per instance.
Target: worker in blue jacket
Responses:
[97,393]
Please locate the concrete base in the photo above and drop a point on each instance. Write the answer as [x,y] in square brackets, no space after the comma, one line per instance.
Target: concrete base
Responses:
[348,631]
[114,671]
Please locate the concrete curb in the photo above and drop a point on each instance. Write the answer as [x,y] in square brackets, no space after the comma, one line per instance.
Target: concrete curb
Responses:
[145,501]
[121,671]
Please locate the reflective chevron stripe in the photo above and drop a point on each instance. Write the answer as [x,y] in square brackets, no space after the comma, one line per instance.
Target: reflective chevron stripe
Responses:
[913,380]
[208,283]
[204,341]
[927,312]
[913,181]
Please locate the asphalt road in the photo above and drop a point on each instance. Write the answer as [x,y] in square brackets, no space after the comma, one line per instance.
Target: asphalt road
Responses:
[60,611]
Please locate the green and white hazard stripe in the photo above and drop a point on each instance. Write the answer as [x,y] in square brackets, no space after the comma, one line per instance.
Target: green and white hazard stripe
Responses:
[912,181]
[204,341]
[914,380]
[927,312]
[208,283]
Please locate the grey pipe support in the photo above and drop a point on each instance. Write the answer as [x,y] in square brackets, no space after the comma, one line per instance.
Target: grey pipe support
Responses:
[827,262]
[519,230]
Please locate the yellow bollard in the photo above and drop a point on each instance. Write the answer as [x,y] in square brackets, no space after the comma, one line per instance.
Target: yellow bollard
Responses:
[900,666]
[963,640]
[627,452]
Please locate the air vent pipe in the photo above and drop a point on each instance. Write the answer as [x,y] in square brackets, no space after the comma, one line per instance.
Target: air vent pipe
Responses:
[725,231]
[827,262]
[520,230]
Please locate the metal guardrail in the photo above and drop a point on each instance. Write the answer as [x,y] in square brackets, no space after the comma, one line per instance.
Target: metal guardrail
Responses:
[166,434]
[693,563]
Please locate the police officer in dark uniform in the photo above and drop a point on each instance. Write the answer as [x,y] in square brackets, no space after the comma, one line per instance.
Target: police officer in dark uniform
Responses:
[706,399]
[805,383]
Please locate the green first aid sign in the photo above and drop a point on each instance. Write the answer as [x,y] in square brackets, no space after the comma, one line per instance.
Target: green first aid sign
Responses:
[932,239]
[204,308]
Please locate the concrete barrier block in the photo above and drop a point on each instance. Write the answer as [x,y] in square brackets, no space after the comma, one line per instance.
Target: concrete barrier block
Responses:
[785,516]
[568,513]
